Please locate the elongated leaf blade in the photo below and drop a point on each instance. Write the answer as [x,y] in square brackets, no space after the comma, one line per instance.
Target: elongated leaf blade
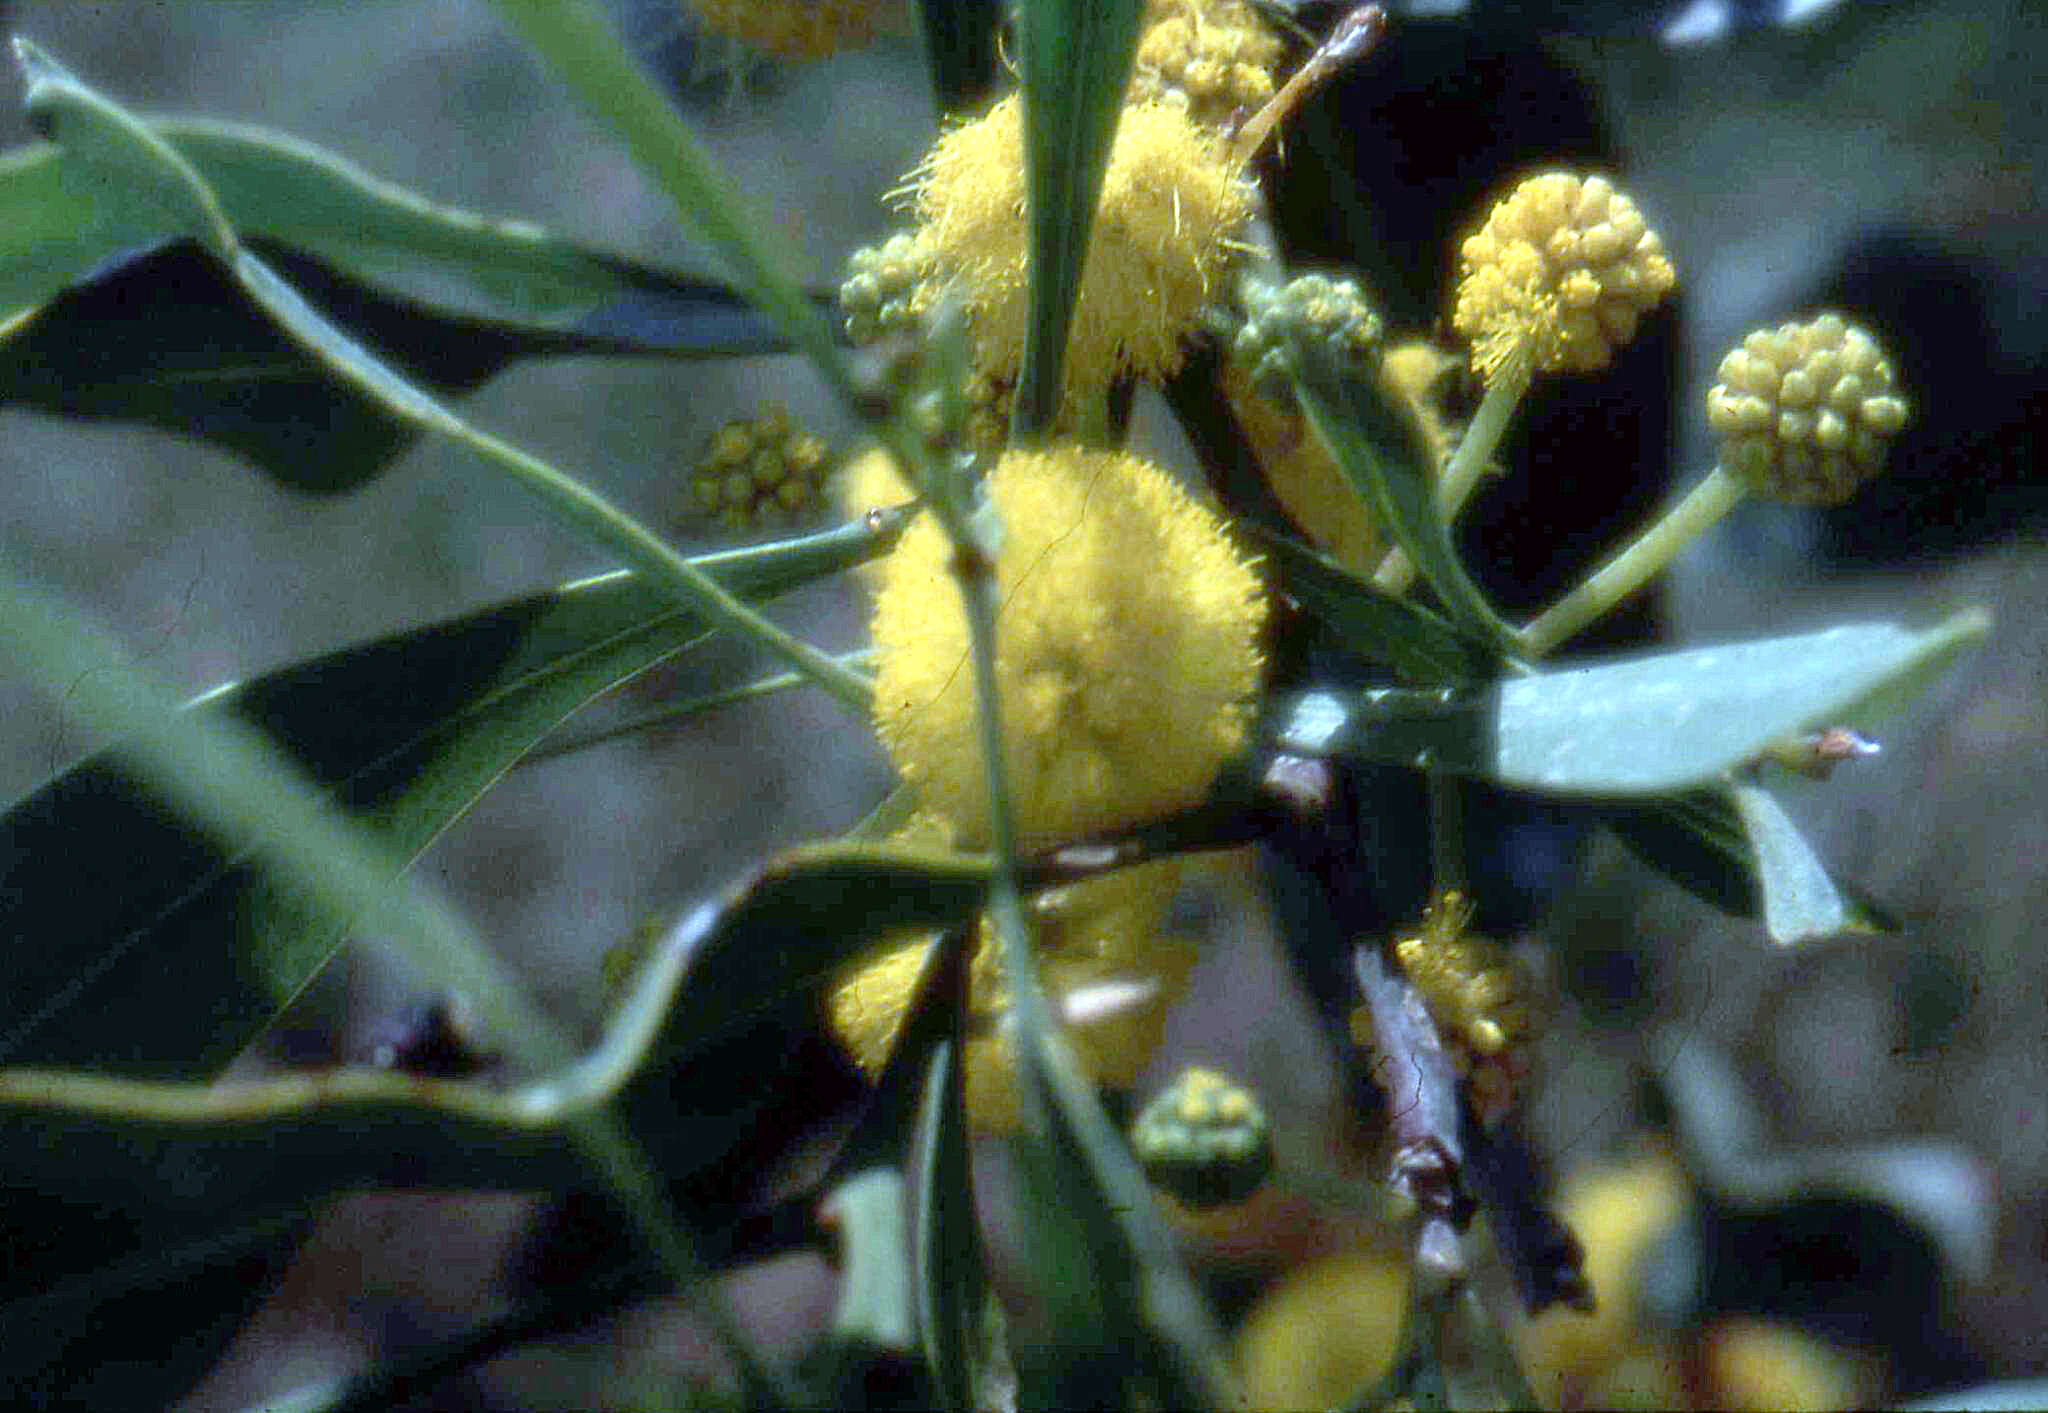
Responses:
[294,195]
[1698,841]
[120,1186]
[1380,449]
[1801,902]
[1076,58]
[1672,720]
[125,899]
[167,338]
[1647,726]
[1393,632]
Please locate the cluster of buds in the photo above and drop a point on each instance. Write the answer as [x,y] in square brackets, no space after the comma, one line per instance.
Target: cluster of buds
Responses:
[1216,57]
[1333,313]
[1558,277]
[759,471]
[1205,1140]
[1804,413]
[885,291]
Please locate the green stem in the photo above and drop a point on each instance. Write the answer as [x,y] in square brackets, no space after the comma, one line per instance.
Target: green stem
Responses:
[1461,475]
[582,508]
[1446,831]
[1636,565]
[680,711]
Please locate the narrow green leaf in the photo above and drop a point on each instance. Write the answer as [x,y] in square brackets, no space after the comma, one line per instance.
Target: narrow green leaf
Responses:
[952,1283]
[1378,627]
[1801,903]
[167,338]
[1676,719]
[874,1309]
[1150,1305]
[1645,726]
[1697,840]
[62,227]
[576,39]
[1379,447]
[798,920]
[116,160]
[404,733]
[1076,57]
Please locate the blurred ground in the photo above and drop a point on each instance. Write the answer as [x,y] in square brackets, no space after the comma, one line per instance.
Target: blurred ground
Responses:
[1760,161]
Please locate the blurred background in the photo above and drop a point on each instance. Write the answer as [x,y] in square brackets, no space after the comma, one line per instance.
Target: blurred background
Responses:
[1886,160]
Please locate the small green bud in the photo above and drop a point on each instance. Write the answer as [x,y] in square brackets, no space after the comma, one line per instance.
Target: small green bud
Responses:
[759,472]
[1332,312]
[884,291]
[1205,1140]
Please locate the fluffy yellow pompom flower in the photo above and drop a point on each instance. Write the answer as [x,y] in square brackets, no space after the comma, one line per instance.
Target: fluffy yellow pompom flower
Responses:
[1162,243]
[1126,648]
[1109,974]
[1804,412]
[1561,273]
[794,29]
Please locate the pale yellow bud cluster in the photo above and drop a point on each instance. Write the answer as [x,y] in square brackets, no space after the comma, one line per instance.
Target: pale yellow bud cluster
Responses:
[1216,57]
[1126,651]
[1205,1140]
[883,292]
[794,29]
[1161,249]
[759,472]
[1804,413]
[1560,275]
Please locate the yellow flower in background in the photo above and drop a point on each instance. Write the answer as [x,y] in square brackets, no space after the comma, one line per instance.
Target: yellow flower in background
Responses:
[1164,238]
[1560,275]
[794,29]
[1127,650]
[1215,57]
[1109,974]
[1326,1332]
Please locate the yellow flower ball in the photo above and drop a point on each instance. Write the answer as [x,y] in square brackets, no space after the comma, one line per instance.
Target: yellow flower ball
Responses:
[1326,1332]
[1126,650]
[1804,413]
[1161,247]
[1110,975]
[794,29]
[1561,273]
[1215,56]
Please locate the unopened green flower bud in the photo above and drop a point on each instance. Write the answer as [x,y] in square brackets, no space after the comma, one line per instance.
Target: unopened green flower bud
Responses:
[763,470]
[1205,1140]
[1332,312]
[886,288]
[1804,413]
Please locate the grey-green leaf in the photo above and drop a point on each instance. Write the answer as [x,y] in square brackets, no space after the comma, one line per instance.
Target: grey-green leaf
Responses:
[1801,903]
[1647,726]
[407,732]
